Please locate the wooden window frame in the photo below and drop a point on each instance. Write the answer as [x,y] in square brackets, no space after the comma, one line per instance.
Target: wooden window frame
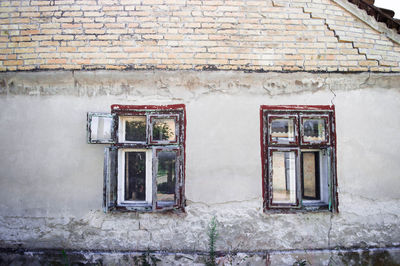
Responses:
[178,180]
[328,185]
[270,199]
[318,174]
[327,128]
[151,121]
[295,124]
[114,159]
[90,139]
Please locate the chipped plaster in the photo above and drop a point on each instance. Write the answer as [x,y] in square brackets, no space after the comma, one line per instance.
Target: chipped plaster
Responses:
[52,186]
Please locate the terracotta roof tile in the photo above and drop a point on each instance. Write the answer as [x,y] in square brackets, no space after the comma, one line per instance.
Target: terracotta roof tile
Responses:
[380,14]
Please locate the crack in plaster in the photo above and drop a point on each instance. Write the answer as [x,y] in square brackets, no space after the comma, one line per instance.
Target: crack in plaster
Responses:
[224,203]
[330,88]
[365,82]
[330,230]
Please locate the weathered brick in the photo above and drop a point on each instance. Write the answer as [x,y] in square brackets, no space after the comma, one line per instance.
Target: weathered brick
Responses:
[13,62]
[95,31]
[73,14]
[63,37]
[183,34]
[56,61]
[93,14]
[369,63]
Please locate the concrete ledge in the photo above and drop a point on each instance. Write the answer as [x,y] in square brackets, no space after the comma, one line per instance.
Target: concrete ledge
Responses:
[184,84]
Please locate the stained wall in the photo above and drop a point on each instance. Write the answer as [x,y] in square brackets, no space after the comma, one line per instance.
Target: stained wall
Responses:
[51,179]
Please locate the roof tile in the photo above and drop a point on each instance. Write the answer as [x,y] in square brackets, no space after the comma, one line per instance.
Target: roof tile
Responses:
[380,14]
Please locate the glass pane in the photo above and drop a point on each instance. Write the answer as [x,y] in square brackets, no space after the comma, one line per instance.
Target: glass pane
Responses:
[166,176]
[284,177]
[164,129]
[310,175]
[314,130]
[135,176]
[135,128]
[282,129]
[100,128]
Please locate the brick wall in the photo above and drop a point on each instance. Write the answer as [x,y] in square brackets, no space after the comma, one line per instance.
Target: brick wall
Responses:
[310,35]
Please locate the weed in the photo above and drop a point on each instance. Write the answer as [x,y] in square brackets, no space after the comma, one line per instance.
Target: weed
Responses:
[65,257]
[212,238]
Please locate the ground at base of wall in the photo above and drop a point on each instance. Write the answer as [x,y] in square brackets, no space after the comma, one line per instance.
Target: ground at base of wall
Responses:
[375,256]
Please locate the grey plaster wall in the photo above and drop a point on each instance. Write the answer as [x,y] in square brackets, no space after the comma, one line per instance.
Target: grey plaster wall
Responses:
[51,179]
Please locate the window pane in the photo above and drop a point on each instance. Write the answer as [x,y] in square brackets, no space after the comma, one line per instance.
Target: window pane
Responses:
[314,130]
[164,129]
[135,128]
[282,129]
[284,177]
[100,128]
[310,175]
[166,176]
[135,176]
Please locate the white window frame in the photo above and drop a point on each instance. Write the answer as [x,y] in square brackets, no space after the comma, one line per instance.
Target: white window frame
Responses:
[121,177]
[92,137]
[122,129]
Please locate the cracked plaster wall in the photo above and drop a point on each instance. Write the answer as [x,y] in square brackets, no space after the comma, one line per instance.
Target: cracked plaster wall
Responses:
[51,180]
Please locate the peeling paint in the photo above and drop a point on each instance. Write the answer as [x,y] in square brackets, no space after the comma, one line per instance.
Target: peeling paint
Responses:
[184,84]
[59,201]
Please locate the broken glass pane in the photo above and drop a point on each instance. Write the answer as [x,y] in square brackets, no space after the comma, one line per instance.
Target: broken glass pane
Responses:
[135,176]
[284,177]
[166,176]
[310,175]
[135,128]
[100,128]
[164,129]
[282,129]
[314,130]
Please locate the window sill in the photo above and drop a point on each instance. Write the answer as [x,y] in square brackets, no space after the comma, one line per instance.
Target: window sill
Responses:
[309,208]
[145,208]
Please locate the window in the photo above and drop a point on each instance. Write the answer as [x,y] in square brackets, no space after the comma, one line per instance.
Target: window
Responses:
[298,158]
[144,166]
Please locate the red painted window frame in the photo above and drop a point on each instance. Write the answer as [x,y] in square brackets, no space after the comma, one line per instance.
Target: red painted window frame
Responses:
[264,149]
[130,110]
[163,142]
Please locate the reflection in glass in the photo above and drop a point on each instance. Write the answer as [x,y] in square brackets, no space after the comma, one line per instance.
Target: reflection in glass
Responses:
[100,128]
[135,128]
[135,176]
[314,129]
[164,129]
[284,177]
[166,176]
[282,129]
[310,161]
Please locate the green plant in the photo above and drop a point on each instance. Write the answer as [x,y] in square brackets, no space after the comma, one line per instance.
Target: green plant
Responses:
[212,237]
[65,257]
